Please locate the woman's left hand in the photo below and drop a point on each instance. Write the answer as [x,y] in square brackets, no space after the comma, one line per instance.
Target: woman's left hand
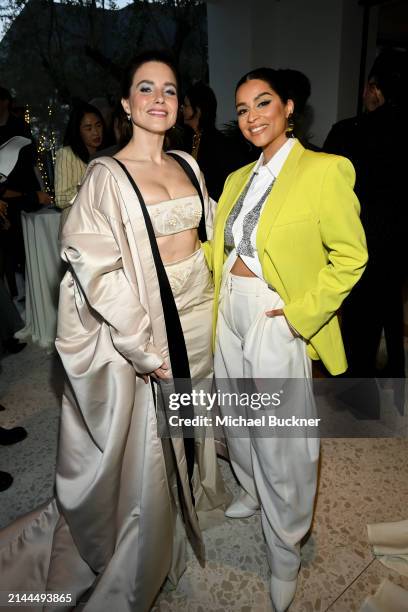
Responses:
[278,312]
[158,374]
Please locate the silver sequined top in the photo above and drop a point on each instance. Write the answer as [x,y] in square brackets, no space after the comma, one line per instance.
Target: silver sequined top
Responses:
[241,226]
[249,223]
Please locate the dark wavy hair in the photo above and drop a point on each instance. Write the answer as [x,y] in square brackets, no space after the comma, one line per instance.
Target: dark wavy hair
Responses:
[202,97]
[161,56]
[72,136]
[288,84]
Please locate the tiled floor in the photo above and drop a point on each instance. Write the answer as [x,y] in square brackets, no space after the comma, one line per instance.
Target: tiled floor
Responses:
[361,481]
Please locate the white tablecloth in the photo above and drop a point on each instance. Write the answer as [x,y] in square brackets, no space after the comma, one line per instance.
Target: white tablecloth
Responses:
[43,276]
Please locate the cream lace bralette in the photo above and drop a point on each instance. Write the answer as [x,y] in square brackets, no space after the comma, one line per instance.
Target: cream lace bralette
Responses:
[174,216]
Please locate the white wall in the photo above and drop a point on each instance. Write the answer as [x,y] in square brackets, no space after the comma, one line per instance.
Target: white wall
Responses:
[229,50]
[322,38]
[350,56]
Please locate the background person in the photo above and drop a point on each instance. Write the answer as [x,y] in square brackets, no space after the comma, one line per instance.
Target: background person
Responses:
[84,136]
[10,322]
[210,147]
[21,192]
[375,143]
[122,133]
[290,226]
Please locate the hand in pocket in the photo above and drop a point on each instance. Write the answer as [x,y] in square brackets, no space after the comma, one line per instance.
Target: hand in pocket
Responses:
[278,312]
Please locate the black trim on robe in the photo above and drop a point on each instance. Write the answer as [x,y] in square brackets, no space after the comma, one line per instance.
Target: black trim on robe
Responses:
[175,337]
[202,231]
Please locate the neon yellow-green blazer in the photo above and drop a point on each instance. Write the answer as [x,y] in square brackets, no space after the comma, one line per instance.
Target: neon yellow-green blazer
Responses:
[310,242]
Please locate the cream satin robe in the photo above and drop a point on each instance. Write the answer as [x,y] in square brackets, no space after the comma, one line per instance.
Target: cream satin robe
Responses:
[114,526]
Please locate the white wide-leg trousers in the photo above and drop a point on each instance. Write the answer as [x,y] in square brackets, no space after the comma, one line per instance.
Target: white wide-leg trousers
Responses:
[281,472]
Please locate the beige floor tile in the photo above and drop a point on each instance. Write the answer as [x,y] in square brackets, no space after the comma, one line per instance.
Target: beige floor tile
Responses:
[324,578]
[360,482]
[40,388]
[365,585]
[217,588]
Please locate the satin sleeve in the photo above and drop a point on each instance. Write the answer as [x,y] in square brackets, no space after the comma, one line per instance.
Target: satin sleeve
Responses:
[95,246]
[344,240]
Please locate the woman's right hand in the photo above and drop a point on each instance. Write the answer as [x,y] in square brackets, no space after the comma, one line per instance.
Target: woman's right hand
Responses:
[160,373]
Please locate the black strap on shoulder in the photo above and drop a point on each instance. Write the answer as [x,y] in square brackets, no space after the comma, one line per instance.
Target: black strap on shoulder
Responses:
[202,232]
[175,337]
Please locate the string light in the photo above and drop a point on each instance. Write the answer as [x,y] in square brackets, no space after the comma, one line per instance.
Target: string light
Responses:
[42,151]
[46,145]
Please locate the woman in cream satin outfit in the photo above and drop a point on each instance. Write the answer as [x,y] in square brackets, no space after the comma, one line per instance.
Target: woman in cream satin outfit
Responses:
[289,229]
[135,306]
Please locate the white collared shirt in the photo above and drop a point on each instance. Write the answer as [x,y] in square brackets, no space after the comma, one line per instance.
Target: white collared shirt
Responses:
[264,175]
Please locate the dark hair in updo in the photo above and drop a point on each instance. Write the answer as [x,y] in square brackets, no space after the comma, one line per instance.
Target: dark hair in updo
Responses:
[273,77]
[163,57]
[288,84]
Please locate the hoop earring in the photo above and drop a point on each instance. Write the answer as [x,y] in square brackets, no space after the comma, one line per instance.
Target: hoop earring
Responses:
[290,127]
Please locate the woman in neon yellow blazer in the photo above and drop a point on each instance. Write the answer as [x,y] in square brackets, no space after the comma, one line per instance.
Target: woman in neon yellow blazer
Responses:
[288,246]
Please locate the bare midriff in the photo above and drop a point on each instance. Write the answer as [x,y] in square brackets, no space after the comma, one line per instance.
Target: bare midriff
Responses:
[240,268]
[178,246]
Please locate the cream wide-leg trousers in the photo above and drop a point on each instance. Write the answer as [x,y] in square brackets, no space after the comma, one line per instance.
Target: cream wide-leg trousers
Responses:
[281,472]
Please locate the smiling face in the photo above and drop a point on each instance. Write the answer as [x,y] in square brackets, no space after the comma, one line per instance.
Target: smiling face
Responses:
[91,132]
[262,116]
[152,101]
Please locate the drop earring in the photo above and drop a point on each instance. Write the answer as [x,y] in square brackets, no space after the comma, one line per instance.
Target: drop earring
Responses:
[290,126]
[129,117]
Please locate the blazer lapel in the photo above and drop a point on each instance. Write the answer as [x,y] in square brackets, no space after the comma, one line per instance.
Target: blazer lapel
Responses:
[277,197]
